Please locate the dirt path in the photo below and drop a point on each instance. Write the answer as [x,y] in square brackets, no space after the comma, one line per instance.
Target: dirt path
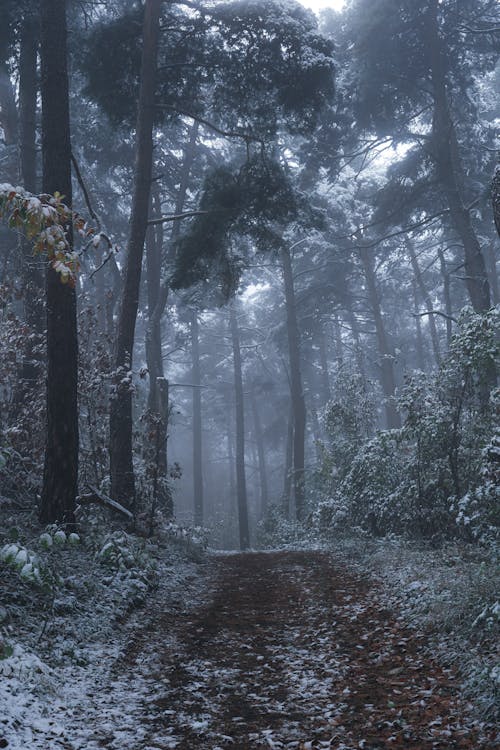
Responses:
[292,651]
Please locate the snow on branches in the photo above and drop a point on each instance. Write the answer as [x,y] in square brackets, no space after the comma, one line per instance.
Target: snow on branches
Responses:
[45,220]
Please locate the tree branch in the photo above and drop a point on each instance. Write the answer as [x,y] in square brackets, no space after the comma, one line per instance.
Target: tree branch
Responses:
[174,217]
[435,312]
[224,133]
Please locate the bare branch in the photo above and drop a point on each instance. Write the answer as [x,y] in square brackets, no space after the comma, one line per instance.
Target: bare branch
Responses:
[95,497]
[435,312]
[175,217]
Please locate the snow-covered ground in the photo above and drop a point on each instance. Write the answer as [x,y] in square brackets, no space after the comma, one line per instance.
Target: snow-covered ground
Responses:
[143,647]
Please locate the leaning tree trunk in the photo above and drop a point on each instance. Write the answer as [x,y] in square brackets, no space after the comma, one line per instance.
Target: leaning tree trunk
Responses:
[388,380]
[120,444]
[450,170]
[60,476]
[241,487]
[197,432]
[296,391]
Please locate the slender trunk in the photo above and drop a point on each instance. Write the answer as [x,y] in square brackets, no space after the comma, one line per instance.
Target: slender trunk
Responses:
[296,391]
[287,483]
[427,300]
[154,245]
[60,476]
[161,294]
[388,380]
[339,346]
[446,295]
[197,431]
[9,122]
[261,455]
[450,171]
[359,352]
[28,89]
[418,330]
[241,489]
[493,273]
[120,445]
[323,360]
[33,272]
[231,464]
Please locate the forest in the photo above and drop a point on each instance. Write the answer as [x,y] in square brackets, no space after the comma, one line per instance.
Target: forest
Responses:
[249,374]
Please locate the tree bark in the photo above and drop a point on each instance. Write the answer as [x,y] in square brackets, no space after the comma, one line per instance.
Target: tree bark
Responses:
[32,273]
[287,479]
[197,422]
[450,171]
[339,346]
[60,476]
[261,454]
[323,361]
[241,489]
[493,273]
[120,445]
[388,380]
[296,390]
[418,330]
[154,248]
[446,295]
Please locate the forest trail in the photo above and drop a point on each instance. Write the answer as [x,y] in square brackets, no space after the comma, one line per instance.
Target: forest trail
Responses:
[292,650]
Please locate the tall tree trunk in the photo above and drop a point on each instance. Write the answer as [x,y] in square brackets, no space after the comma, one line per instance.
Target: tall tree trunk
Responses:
[296,390]
[120,445]
[323,361]
[32,273]
[197,422]
[446,295]
[339,346]
[493,273]
[418,330]
[154,248]
[261,454]
[358,349]
[388,380]
[241,488]
[287,479]
[9,121]
[60,476]
[426,298]
[162,288]
[450,170]
[158,295]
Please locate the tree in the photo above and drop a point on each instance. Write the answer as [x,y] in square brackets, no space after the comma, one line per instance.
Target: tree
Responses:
[412,71]
[60,476]
[241,487]
[120,445]
[197,422]
[298,404]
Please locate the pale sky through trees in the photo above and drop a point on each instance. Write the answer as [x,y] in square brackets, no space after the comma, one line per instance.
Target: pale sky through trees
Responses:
[317,5]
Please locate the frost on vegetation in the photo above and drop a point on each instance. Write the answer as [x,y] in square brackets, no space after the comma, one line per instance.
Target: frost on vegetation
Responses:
[25,562]
[131,564]
[438,477]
